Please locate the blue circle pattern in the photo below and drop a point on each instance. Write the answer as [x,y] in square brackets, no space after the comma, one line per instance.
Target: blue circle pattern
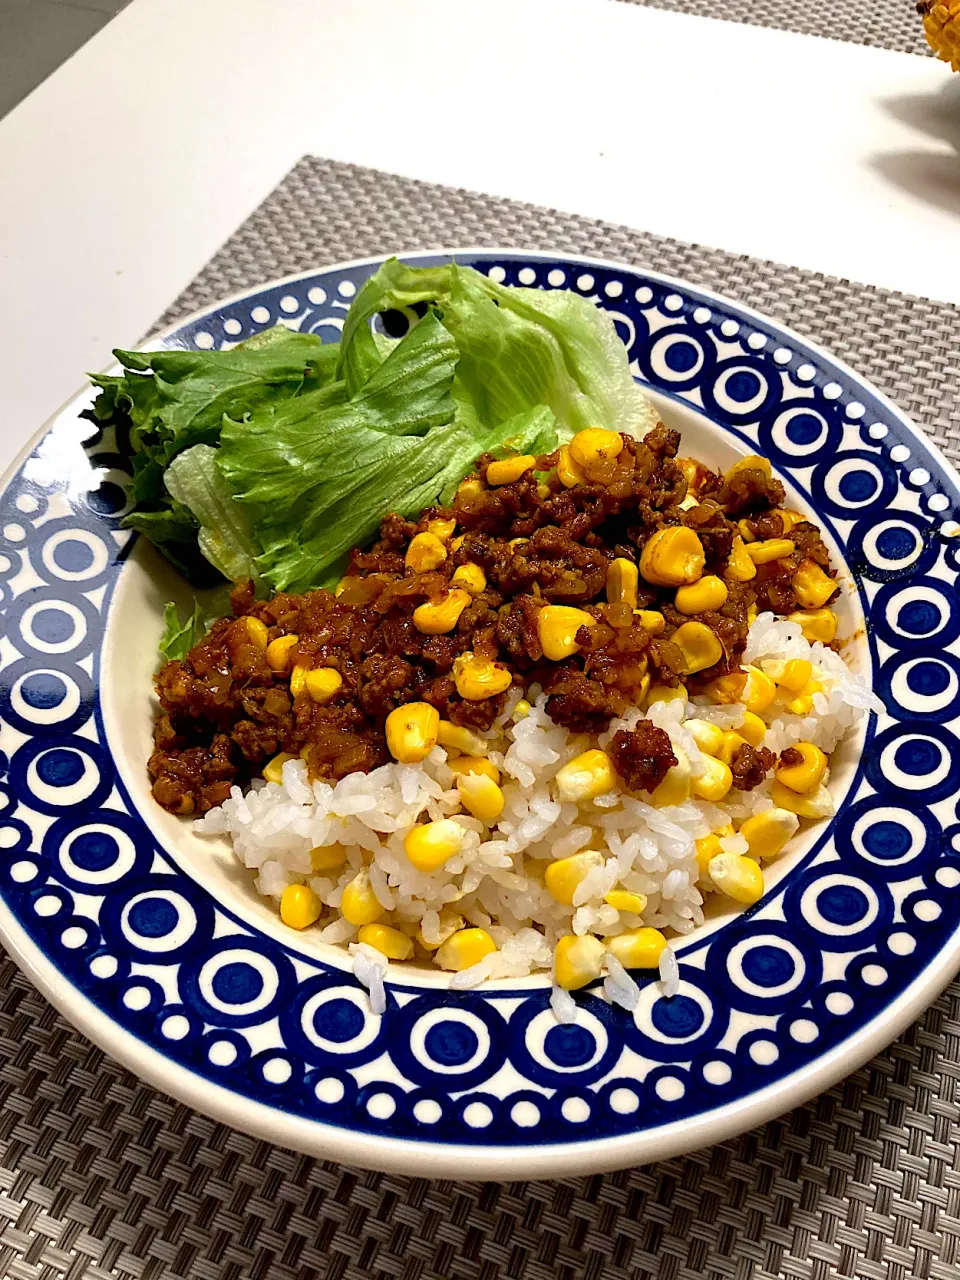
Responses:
[224,984]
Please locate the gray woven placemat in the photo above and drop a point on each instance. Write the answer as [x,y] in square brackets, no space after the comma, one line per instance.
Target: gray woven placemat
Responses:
[101,1176]
[886,24]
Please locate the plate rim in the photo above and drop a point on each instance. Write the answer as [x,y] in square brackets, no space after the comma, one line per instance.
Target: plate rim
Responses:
[406,1155]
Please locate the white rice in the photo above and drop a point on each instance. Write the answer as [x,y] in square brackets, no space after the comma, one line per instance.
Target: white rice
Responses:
[496,880]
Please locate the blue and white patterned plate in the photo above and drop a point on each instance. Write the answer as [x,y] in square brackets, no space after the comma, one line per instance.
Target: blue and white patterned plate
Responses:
[162,954]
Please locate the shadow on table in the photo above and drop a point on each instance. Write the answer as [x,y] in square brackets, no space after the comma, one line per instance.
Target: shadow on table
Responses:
[932,177]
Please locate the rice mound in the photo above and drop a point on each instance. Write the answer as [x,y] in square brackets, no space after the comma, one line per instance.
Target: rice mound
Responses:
[496,880]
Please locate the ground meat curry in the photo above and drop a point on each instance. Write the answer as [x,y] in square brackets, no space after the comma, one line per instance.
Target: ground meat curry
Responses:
[594,572]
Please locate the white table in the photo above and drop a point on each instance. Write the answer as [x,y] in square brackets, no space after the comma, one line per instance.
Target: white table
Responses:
[127,169]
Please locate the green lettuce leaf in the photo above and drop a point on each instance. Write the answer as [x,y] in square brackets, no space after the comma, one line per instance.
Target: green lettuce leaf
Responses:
[179,637]
[173,530]
[175,399]
[300,468]
[518,348]
[165,402]
[427,471]
[523,347]
[393,287]
[225,536]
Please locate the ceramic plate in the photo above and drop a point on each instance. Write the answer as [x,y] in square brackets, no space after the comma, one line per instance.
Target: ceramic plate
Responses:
[154,943]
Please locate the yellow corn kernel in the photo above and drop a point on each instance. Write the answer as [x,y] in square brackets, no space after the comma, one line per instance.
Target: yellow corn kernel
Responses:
[429,845]
[766,833]
[587,776]
[595,444]
[675,787]
[568,470]
[666,693]
[479,678]
[510,469]
[436,618]
[788,519]
[738,877]
[751,614]
[729,689]
[707,736]
[745,531]
[543,491]
[651,620]
[279,652]
[770,549]
[517,542]
[708,847]
[577,961]
[623,900]
[818,803]
[795,674]
[813,587]
[464,949]
[359,904]
[412,731]
[759,691]
[442,529]
[479,765]
[273,771]
[807,774]
[480,796]
[622,578]
[732,742]
[327,857]
[458,542]
[323,685]
[715,781]
[257,632]
[468,489]
[299,906]
[424,553]
[521,709]
[816,624]
[740,567]
[298,679]
[638,948]
[672,557]
[564,876]
[802,704]
[469,578]
[557,626]
[709,593]
[389,942]
[752,462]
[700,646]
[455,737]
[450,923]
[753,729]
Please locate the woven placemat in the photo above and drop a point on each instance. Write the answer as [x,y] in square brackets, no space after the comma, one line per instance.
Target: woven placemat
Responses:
[885,24]
[101,1176]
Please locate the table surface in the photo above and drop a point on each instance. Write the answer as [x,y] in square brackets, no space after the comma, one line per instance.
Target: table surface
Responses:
[126,170]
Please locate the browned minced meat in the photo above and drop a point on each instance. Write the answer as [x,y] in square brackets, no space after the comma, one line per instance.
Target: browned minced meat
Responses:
[224,712]
[642,756]
[750,765]
[749,491]
[789,757]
